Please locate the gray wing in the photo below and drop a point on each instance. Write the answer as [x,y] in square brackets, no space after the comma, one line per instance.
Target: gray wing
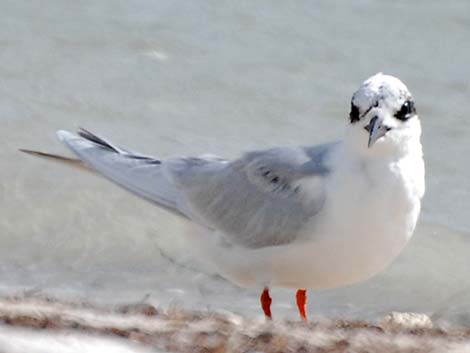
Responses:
[259,200]
[140,174]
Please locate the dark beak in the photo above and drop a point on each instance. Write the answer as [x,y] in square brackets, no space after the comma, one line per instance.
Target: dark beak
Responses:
[376,130]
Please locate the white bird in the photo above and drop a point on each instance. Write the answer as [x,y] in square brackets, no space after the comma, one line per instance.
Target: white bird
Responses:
[296,217]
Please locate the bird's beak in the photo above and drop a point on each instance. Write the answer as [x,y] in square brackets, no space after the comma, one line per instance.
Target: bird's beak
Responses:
[375,129]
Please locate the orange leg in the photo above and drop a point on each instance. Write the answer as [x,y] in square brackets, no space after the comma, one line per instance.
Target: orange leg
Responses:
[266,303]
[301,298]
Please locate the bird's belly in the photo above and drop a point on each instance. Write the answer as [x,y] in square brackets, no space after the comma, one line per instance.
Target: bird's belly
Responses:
[339,253]
[359,231]
[359,235]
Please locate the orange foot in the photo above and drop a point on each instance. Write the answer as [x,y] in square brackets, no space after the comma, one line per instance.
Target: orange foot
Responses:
[301,298]
[266,303]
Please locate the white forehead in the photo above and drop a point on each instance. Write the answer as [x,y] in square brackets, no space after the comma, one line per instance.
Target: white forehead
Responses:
[384,90]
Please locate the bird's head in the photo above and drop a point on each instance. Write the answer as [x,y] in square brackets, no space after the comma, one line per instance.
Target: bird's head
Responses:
[383,118]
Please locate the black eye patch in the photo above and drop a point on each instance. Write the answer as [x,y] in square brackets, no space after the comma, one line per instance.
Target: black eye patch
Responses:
[354,114]
[406,111]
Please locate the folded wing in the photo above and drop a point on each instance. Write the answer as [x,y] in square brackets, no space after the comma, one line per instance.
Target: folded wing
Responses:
[140,174]
[262,199]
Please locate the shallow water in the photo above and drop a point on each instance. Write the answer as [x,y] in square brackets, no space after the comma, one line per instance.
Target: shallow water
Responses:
[172,77]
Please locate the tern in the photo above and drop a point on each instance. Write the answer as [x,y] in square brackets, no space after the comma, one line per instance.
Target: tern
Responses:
[304,217]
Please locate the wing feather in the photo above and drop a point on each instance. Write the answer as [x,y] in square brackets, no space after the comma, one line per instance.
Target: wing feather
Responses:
[258,200]
[142,175]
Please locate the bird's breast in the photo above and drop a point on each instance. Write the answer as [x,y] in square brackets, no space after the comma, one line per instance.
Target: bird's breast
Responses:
[369,215]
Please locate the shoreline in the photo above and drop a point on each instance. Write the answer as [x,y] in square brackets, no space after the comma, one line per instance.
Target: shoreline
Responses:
[176,330]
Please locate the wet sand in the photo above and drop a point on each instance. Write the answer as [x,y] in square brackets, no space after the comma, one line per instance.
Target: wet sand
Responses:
[176,330]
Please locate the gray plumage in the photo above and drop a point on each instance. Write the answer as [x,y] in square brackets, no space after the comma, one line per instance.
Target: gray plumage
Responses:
[255,201]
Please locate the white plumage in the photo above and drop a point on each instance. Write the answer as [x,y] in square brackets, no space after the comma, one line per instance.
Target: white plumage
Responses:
[301,217]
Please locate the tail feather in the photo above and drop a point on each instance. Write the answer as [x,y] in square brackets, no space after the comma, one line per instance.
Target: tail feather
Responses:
[74,162]
[137,173]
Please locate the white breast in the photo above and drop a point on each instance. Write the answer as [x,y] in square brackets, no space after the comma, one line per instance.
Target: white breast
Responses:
[370,214]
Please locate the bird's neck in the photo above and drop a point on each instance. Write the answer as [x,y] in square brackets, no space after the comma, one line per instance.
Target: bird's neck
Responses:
[385,151]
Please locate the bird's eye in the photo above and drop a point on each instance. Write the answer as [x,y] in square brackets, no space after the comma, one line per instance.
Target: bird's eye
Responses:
[354,114]
[406,111]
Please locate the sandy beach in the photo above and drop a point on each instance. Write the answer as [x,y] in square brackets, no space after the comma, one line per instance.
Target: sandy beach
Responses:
[176,330]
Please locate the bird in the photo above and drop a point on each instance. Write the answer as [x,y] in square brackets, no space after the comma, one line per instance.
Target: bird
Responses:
[299,217]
